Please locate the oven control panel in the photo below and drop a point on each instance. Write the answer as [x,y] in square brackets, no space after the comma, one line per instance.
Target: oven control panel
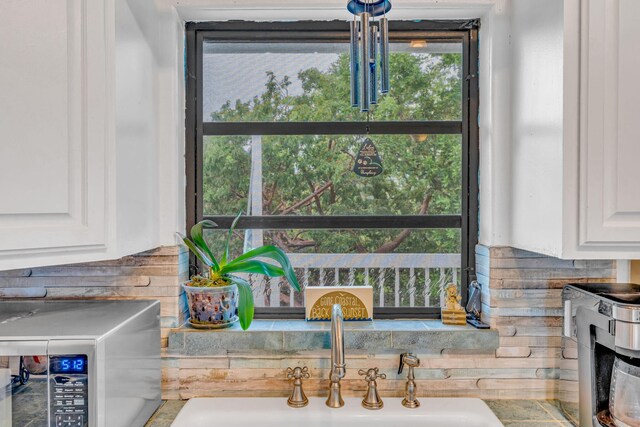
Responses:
[68,391]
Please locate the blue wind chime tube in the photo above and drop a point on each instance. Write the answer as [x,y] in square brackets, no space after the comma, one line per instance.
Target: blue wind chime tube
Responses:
[369,49]
[354,31]
[384,54]
[373,56]
[365,60]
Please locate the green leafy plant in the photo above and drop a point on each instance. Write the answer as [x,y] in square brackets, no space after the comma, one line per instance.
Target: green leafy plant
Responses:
[220,272]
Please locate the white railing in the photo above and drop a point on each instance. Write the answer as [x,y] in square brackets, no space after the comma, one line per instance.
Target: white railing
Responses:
[398,280]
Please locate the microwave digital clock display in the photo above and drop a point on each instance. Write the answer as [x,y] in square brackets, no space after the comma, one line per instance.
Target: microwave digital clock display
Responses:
[68,364]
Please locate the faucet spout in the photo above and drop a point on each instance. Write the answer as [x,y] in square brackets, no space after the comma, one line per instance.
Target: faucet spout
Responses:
[337,342]
[338,367]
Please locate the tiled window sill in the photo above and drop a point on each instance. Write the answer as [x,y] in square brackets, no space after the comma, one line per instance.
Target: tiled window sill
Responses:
[297,335]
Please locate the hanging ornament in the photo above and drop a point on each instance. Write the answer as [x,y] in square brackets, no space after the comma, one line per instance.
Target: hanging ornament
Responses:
[368,162]
[369,51]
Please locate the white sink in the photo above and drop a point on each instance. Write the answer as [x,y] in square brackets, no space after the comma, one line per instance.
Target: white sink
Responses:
[272,412]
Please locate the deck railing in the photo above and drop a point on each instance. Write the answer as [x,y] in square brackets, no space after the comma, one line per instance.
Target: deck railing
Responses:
[398,280]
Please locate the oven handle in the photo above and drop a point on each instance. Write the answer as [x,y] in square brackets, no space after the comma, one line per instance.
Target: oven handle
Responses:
[23,348]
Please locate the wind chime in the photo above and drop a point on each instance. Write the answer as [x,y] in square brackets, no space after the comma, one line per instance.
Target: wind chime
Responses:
[369,49]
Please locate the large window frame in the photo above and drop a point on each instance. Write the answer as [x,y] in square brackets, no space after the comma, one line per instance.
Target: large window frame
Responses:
[465,32]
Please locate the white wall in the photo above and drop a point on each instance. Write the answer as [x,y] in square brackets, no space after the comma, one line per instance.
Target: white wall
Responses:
[282,10]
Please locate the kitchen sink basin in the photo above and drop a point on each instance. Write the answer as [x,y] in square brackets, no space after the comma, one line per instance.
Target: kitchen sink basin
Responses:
[272,412]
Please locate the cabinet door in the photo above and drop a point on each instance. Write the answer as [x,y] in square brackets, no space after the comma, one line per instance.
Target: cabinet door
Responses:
[609,119]
[53,129]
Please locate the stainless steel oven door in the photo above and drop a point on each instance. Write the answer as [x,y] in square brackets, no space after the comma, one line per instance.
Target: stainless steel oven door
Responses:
[47,383]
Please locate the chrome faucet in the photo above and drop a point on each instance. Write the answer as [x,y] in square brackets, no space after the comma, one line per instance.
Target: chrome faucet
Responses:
[337,358]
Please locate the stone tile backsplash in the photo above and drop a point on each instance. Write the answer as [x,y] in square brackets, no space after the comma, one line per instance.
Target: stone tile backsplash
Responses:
[155,274]
[524,357]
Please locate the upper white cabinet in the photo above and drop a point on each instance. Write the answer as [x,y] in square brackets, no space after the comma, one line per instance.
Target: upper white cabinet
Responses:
[54,128]
[575,149]
[89,120]
[609,133]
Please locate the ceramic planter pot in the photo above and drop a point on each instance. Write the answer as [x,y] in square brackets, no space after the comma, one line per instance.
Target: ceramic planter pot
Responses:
[212,308]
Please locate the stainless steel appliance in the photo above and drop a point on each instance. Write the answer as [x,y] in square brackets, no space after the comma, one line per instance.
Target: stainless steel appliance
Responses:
[91,363]
[604,318]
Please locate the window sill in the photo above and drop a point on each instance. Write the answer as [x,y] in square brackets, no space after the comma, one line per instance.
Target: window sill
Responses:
[291,336]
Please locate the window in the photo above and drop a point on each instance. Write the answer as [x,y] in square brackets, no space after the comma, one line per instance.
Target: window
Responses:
[270,131]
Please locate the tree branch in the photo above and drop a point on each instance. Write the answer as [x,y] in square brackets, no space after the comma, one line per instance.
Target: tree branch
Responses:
[307,199]
[349,154]
[269,198]
[316,198]
[332,195]
[400,237]
[282,240]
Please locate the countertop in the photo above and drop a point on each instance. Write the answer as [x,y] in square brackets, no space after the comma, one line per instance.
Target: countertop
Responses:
[512,413]
[286,336]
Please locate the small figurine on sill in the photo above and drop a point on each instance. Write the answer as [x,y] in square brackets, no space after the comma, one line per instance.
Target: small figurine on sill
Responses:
[452,311]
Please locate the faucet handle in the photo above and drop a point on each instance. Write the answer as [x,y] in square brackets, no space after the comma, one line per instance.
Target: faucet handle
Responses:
[298,373]
[297,399]
[371,398]
[411,360]
[372,374]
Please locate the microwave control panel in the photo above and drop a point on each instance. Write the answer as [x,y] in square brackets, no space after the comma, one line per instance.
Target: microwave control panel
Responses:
[68,391]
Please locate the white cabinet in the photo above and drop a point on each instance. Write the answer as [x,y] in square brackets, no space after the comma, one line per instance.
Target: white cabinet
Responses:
[609,132]
[575,150]
[54,128]
[90,123]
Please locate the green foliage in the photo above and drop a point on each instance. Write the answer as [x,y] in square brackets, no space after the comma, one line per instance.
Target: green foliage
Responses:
[275,254]
[245,303]
[220,273]
[225,255]
[198,239]
[418,169]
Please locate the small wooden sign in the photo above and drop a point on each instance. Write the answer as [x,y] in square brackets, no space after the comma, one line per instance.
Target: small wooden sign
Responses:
[368,162]
[356,302]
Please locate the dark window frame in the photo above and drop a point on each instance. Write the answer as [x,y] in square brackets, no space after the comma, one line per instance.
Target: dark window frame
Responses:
[463,31]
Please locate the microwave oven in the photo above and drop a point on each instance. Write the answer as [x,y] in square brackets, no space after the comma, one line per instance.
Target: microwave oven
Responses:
[79,363]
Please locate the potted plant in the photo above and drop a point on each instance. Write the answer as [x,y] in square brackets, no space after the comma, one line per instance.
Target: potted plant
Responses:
[217,295]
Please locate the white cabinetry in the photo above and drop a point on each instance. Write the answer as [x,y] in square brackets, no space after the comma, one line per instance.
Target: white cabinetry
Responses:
[54,128]
[609,124]
[81,133]
[575,152]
